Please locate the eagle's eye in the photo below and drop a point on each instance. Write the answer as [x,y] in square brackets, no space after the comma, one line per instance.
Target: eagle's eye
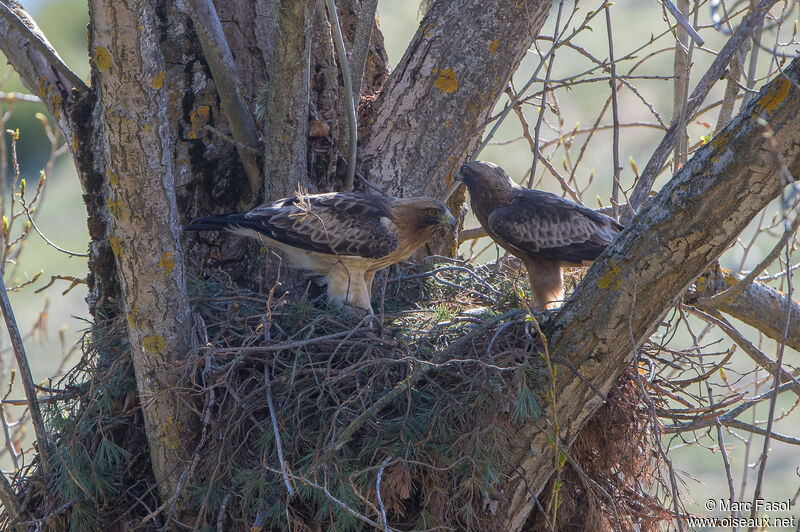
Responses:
[433,212]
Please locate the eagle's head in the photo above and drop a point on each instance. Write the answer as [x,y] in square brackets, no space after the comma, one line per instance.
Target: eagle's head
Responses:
[483,177]
[427,215]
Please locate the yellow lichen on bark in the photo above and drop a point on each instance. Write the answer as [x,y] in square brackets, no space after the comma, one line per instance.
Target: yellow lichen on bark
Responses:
[154,344]
[171,433]
[447,81]
[773,97]
[611,278]
[116,245]
[198,118]
[101,59]
[167,262]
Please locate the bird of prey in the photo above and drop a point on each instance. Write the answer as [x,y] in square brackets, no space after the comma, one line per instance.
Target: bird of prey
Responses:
[345,237]
[542,229]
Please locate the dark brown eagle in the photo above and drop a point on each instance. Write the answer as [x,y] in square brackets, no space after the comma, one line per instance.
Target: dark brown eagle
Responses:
[345,237]
[542,229]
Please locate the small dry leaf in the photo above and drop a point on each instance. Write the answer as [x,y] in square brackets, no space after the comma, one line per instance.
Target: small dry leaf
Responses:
[319,129]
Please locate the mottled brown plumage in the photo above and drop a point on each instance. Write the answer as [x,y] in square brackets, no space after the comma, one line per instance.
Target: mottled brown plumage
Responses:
[542,229]
[345,237]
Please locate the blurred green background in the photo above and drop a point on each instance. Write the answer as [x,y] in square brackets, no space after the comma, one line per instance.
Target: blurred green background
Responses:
[62,216]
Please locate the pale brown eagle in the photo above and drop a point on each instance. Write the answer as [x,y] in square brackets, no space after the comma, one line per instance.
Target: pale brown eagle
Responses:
[345,237]
[542,229]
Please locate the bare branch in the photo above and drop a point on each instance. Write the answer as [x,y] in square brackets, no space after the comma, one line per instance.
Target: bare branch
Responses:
[752,351]
[25,375]
[656,162]
[685,24]
[352,128]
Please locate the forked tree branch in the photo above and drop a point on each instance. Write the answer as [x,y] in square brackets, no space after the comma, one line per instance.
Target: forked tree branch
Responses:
[226,78]
[443,92]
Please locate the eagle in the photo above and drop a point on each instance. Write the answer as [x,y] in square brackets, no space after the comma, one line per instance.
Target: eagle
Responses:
[543,230]
[343,236]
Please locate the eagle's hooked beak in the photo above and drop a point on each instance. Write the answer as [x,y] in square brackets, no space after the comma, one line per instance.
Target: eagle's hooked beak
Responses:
[451,221]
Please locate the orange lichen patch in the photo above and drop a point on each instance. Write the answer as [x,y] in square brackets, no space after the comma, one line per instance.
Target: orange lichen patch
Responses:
[171,433]
[154,344]
[447,81]
[493,45]
[113,177]
[167,262]
[116,245]
[776,94]
[611,278]
[101,59]
[158,80]
[74,142]
[197,119]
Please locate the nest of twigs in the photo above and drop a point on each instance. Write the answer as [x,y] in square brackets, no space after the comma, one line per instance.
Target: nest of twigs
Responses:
[314,419]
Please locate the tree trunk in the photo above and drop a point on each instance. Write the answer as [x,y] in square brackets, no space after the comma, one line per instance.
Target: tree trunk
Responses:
[131,115]
[672,241]
[429,117]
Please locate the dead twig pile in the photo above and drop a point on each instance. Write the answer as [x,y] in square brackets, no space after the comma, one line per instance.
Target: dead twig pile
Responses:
[309,416]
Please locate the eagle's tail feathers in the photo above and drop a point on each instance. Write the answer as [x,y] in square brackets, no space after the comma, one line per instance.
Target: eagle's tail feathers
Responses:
[224,222]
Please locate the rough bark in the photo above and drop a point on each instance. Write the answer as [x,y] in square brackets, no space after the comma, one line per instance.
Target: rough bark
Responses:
[432,110]
[131,114]
[672,241]
[283,103]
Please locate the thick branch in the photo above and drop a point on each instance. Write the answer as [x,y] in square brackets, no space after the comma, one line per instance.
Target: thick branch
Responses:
[432,110]
[757,304]
[672,240]
[226,77]
[358,57]
[39,67]
[19,19]
[283,103]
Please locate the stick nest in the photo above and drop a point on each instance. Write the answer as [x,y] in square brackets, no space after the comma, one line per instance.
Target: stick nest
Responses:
[407,419]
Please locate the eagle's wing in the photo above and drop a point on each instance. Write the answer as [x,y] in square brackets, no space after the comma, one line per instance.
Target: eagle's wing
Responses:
[544,225]
[337,223]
